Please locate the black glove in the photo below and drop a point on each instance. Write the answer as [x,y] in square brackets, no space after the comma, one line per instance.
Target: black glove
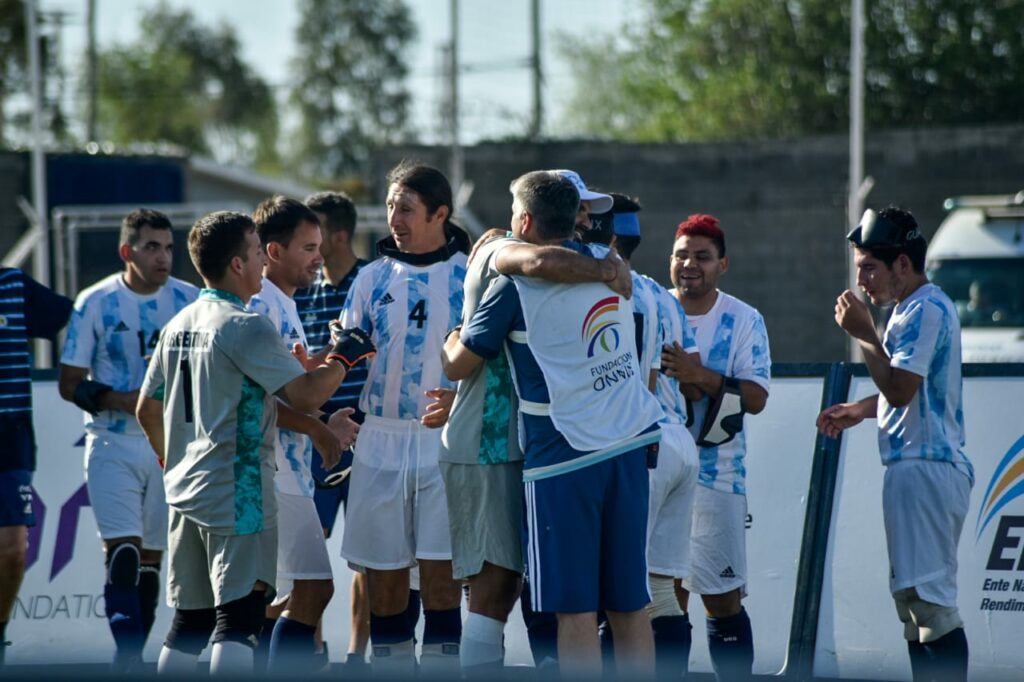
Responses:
[350,345]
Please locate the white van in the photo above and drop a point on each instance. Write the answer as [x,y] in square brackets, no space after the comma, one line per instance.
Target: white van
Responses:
[977,257]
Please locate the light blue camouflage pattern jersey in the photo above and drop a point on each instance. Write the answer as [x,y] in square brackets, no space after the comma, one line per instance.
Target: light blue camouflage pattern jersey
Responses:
[407,309]
[113,332]
[923,337]
[674,328]
[294,450]
[733,341]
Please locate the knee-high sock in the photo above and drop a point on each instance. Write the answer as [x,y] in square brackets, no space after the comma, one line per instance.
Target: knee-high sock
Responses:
[731,645]
[149,596]
[672,642]
[541,630]
[121,594]
[948,656]
[393,646]
[291,647]
[231,658]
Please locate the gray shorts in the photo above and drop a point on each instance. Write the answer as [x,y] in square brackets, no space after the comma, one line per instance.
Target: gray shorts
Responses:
[485,515]
[205,570]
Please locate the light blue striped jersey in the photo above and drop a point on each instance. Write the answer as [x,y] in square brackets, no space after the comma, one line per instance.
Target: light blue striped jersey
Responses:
[674,328]
[923,337]
[294,452]
[113,332]
[733,341]
[408,310]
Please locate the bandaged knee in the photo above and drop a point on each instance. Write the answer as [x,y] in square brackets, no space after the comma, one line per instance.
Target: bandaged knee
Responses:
[241,620]
[922,620]
[190,630]
[663,598]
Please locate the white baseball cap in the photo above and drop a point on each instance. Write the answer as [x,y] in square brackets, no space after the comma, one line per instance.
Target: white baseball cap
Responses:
[599,203]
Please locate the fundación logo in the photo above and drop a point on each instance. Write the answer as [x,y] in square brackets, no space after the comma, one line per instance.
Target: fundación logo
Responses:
[600,328]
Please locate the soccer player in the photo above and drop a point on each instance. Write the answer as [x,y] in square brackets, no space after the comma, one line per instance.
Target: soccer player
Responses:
[733,376]
[27,310]
[319,304]
[407,300]
[673,481]
[113,331]
[573,355]
[480,460]
[919,407]
[290,234]
[208,408]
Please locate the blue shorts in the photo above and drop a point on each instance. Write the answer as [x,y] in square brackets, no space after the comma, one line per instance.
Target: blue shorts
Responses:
[586,537]
[16,498]
[328,500]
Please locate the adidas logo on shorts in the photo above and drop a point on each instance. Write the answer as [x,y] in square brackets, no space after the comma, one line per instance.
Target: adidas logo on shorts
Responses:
[121,327]
[386,298]
[727,573]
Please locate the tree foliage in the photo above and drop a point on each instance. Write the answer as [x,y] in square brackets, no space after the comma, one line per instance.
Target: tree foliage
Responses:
[186,84]
[729,69]
[350,87]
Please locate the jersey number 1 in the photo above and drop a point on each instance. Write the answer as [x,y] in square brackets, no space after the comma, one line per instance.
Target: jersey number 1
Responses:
[418,314]
[186,388]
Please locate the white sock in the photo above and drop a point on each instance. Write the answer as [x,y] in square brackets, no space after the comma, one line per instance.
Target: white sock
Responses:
[174,662]
[482,641]
[231,658]
[440,660]
[394,659]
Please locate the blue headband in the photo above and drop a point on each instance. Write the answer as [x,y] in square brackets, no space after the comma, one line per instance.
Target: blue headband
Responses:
[626,225]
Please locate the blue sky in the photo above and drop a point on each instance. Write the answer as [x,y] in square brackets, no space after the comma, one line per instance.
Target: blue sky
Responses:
[495,102]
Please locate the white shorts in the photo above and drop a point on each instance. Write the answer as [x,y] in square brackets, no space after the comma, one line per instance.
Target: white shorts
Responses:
[126,488]
[924,504]
[301,546]
[670,513]
[718,544]
[397,511]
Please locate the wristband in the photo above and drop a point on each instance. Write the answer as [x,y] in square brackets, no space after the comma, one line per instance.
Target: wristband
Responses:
[88,393]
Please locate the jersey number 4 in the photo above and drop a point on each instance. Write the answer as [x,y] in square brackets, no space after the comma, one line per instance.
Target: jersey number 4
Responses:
[418,314]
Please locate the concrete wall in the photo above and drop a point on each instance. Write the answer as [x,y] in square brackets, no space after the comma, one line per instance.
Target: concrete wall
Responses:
[782,204]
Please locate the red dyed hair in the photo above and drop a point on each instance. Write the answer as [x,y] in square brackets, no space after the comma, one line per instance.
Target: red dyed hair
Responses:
[703,225]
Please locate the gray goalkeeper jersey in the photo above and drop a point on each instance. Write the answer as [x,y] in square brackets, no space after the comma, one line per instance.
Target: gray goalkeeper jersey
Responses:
[217,368]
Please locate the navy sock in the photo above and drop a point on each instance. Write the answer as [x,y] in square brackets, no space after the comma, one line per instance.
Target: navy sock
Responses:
[291,646]
[948,656]
[149,595]
[920,662]
[412,610]
[390,629]
[442,627]
[672,643]
[3,641]
[125,618]
[262,651]
[541,630]
[607,639]
[731,645]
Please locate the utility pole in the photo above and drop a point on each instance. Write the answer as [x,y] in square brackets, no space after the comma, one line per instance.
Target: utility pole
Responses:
[537,122]
[858,188]
[90,69]
[42,252]
[457,170]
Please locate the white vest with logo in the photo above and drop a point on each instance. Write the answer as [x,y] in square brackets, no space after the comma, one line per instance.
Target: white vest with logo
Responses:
[583,338]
